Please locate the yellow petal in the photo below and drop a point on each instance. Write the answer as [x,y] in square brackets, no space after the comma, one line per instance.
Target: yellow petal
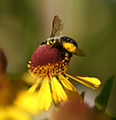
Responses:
[58,92]
[28,102]
[28,78]
[68,85]
[44,95]
[13,113]
[34,86]
[91,82]
[69,89]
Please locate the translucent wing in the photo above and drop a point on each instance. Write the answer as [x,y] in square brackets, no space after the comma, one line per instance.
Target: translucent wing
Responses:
[57,26]
[80,52]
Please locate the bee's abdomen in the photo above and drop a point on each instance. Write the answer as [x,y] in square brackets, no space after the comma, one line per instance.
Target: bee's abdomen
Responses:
[69,44]
[69,40]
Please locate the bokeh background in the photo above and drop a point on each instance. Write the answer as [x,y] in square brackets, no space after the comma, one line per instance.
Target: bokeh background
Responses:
[24,24]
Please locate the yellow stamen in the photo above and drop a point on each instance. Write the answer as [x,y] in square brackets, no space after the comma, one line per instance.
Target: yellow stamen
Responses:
[34,86]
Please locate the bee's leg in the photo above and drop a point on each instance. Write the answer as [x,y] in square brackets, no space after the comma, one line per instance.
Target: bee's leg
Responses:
[52,45]
[44,42]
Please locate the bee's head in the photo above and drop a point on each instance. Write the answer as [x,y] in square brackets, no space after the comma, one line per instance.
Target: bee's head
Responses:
[69,44]
[51,41]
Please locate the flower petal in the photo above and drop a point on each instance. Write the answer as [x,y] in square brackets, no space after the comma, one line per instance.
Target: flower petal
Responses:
[13,113]
[27,102]
[69,88]
[68,85]
[91,82]
[58,92]
[44,95]
[34,86]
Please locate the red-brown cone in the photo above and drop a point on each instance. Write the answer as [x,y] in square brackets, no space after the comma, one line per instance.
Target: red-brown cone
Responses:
[44,55]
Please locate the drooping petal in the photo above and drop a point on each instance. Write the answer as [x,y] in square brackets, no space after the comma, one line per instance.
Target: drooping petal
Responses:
[58,92]
[69,88]
[44,95]
[34,86]
[91,82]
[68,85]
[13,113]
[26,77]
[27,102]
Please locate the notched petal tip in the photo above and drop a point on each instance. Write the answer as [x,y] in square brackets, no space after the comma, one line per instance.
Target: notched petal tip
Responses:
[58,92]
[91,82]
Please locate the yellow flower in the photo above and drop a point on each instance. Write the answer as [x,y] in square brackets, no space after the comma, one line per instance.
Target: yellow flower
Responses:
[27,102]
[48,66]
[13,113]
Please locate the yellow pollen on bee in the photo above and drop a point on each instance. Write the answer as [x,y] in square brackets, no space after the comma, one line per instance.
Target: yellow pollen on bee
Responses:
[29,62]
[48,43]
[70,47]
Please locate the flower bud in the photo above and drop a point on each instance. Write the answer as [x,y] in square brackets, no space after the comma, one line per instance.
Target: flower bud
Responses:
[3,62]
[73,110]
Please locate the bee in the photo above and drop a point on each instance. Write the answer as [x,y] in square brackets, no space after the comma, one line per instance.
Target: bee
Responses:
[64,43]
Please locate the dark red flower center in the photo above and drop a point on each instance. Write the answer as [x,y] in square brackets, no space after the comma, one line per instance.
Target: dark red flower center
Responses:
[44,55]
[47,61]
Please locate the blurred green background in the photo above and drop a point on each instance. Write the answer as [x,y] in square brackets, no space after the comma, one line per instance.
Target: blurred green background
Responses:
[24,24]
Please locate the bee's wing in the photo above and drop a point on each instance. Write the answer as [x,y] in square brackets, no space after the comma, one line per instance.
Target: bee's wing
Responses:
[57,26]
[80,52]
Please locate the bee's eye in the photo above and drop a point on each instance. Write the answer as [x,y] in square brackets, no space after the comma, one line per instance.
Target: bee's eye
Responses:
[44,42]
[69,44]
